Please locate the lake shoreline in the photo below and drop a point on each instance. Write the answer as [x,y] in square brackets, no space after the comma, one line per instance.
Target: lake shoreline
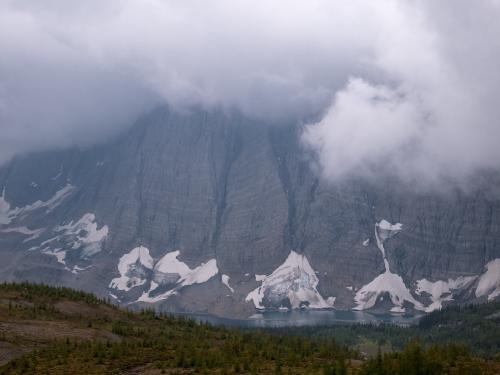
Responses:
[304,317]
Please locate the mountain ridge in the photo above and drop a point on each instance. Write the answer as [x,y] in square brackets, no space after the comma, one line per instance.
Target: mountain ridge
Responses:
[224,187]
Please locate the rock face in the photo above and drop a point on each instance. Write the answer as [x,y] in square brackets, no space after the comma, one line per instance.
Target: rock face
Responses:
[195,212]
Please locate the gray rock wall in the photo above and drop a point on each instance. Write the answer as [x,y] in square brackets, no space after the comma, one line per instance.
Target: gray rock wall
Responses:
[221,186]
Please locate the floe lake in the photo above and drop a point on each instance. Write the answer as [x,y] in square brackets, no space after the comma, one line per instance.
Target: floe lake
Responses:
[275,319]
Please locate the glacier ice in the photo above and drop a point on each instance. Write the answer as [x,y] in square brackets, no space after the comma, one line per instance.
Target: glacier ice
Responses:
[171,271]
[293,284]
[225,281]
[441,290]
[82,235]
[387,282]
[134,268]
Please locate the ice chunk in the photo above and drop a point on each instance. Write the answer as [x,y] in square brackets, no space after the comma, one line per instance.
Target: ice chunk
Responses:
[387,282]
[383,231]
[225,281]
[169,264]
[170,270]
[59,254]
[398,309]
[200,274]
[385,225]
[294,281]
[82,234]
[133,268]
[441,291]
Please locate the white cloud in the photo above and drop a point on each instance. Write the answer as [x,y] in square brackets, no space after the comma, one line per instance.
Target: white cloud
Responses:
[434,116]
[420,77]
[368,129]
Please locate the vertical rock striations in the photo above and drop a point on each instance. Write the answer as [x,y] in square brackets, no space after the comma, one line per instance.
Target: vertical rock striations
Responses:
[192,211]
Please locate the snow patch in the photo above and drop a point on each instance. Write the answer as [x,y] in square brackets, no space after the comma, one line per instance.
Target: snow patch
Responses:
[133,268]
[8,214]
[225,281]
[82,234]
[5,212]
[85,234]
[441,291]
[77,269]
[385,225]
[366,242]
[59,254]
[294,281]
[489,282]
[398,309]
[169,264]
[31,233]
[171,271]
[260,277]
[200,274]
[387,282]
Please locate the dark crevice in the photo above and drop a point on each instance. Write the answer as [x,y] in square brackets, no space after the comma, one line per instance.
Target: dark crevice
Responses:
[139,197]
[280,141]
[232,150]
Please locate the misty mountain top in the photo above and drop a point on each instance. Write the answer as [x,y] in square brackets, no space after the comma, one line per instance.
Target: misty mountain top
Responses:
[405,87]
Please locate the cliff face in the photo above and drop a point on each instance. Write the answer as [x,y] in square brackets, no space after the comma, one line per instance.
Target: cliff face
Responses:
[208,212]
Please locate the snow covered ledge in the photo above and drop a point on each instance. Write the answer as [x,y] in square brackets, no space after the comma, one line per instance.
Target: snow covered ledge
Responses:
[386,282]
[294,281]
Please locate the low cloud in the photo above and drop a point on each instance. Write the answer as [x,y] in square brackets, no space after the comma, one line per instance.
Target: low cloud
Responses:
[433,116]
[407,87]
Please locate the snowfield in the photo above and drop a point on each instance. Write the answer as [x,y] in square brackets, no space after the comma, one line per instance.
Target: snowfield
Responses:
[295,281]
[133,268]
[82,235]
[225,281]
[387,282]
[7,214]
[441,291]
[169,266]
[138,268]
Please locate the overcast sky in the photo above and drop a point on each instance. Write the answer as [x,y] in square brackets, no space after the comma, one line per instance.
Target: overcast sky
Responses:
[411,87]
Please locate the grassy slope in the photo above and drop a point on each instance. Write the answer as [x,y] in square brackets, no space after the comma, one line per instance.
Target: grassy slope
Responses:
[47,330]
[59,331]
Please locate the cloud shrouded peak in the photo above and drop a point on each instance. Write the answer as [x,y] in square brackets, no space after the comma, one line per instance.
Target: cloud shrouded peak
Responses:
[406,86]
